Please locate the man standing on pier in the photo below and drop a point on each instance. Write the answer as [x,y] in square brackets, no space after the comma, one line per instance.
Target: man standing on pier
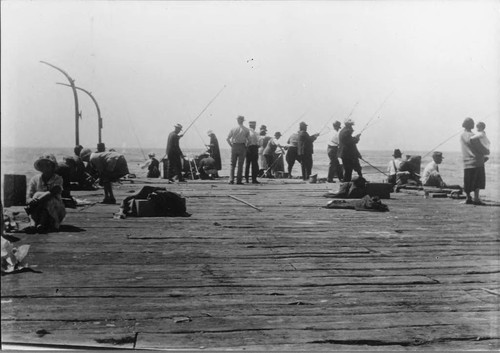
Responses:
[305,150]
[174,155]
[238,138]
[252,154]
[291,152]
[348,150]
[333,148]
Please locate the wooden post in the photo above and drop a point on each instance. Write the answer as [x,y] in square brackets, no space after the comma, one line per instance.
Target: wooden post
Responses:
[14,190]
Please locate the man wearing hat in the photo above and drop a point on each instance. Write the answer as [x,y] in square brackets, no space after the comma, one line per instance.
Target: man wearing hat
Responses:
[270,154]
[305,150]
[252,156]
[431,175]
[393,167]
[238,138]
[348,150]
[214,151]
[333,148]
[174,155]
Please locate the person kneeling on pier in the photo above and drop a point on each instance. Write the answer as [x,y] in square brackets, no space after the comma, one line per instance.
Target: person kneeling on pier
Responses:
[45,206]
[111,166]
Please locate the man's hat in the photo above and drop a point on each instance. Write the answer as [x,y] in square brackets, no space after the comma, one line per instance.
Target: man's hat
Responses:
[210,132]
[178,126]
[46,157]
[240,117]
[151,154]
[302,123]
[252,123]
[337,123]
[437,154]
[397,153]
[277,133]
[349,122]
[263,127]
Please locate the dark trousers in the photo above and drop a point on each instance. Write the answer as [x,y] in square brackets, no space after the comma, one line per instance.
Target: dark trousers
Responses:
[334,168]
[252,159]
[174,167]
[291,156]
[307,163]
[351,164]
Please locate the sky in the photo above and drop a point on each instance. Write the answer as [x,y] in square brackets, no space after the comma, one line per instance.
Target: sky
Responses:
[407,72]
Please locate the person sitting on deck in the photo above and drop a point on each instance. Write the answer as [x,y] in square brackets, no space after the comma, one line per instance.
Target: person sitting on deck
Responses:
[45,206]
[111,166]
[408,173]
[431,175]
[207,168]
[153,166]
[393,167]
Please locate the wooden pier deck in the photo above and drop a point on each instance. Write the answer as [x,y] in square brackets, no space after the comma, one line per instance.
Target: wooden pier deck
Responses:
[294,276]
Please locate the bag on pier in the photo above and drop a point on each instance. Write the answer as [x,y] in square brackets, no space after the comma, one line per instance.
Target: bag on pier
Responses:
[153,201]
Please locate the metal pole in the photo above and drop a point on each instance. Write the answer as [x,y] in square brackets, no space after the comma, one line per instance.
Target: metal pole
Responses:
[72,84]
[99,119]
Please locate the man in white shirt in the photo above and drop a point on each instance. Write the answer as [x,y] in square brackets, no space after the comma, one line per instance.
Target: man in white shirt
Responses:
[238,138]
[252,156]
[431,175]
[333,147]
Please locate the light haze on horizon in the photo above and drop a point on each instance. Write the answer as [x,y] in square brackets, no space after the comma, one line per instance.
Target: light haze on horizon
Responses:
[412,70]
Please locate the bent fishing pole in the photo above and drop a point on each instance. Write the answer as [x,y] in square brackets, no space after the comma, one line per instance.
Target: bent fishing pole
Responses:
[185,131]
[329,120]
[449,138]
[375,114]
[295,122]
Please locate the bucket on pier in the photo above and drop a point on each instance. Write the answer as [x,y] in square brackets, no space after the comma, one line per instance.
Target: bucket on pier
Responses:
[14,190]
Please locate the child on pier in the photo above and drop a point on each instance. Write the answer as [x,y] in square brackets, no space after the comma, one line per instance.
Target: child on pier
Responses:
[45,206]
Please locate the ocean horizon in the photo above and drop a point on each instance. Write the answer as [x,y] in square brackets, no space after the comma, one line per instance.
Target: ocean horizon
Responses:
[19,160]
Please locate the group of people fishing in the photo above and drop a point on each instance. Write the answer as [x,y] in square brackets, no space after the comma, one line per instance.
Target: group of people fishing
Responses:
[259,151]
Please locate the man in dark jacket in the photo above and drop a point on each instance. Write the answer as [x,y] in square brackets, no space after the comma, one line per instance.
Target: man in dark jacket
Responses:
[348,150]
[305,150]
[174,154]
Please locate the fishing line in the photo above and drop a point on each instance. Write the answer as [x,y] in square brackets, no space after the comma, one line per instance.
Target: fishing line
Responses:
[137,138]
[374,114]
[329,120]
[449,138]
[371,165]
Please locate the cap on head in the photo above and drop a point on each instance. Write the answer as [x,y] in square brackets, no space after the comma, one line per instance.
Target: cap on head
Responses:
[210,132]
[349,122]
[46,157]
[85,154]
[252,123]
[263,127]
[337,123]
[277,134]
[397,153]
[302,124]
[437,155]
[151,154]
[178,126]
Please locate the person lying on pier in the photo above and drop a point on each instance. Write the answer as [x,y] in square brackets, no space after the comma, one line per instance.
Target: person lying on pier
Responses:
[110,166]
[431,175]
[45,206]
[354,189]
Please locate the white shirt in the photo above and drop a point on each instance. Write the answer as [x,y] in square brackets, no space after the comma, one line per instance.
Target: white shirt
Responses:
[334,141]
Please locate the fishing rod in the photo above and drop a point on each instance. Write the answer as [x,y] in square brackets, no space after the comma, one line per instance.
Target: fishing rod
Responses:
[295,121]
[329,120]
[371,165]
[137,138]
[375,114]
[185,131]
[449,138]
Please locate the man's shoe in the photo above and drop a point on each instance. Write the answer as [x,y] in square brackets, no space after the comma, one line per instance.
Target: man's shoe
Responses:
[231,181]
[330,181]
[239,183]
[109,201]
[255,182]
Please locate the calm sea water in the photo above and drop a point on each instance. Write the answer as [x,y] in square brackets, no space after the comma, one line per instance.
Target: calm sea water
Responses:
[20,160]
